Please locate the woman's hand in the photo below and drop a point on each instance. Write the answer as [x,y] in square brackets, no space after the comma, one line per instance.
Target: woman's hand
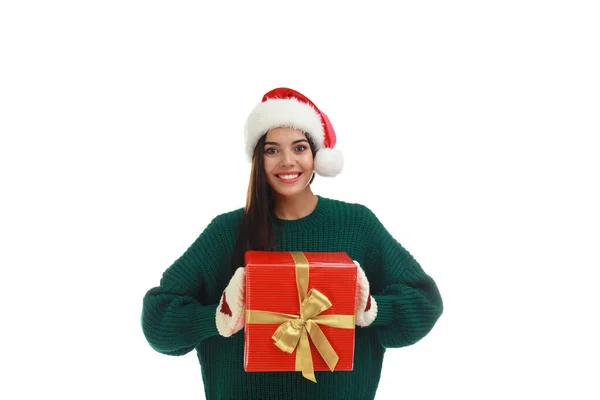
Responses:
[366,306]
[231,310]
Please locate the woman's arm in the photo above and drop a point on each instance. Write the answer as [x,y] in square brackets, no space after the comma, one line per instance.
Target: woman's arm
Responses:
[174,318]
[407,299]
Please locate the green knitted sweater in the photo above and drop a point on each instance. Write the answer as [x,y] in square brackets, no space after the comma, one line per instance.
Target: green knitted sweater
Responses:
[178,316]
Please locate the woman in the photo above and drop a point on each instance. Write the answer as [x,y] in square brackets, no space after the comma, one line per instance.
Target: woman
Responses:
[199,303]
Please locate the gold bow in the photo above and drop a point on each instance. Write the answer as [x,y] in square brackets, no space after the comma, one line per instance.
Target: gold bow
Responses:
[293,330]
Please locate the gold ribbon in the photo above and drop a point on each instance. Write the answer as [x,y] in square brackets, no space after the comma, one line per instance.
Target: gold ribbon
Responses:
[293,330]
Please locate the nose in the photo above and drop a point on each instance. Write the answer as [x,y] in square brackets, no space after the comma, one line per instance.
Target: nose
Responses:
[287,158]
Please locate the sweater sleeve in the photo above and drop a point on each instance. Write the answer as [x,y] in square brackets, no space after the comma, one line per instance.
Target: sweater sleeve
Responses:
[408,300]
[174,318]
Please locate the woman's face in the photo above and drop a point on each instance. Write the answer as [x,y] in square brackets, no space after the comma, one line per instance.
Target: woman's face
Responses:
[288,160]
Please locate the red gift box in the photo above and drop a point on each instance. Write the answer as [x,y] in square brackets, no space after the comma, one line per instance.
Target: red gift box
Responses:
[295,302]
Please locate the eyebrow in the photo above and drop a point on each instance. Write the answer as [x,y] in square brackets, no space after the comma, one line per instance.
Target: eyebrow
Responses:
[294,142]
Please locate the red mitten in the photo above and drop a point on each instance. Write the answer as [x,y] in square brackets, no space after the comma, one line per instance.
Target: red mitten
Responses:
[366,306]
[231,310]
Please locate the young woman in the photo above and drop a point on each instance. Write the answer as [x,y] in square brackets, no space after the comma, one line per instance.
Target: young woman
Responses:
[199,303]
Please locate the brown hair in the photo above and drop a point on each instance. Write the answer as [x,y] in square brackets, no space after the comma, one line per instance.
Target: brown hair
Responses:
[257,231]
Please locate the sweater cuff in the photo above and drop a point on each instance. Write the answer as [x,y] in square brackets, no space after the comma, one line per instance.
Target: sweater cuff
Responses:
[385,310]
[204,325]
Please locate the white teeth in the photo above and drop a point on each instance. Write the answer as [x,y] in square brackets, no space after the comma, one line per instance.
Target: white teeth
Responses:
[289,176]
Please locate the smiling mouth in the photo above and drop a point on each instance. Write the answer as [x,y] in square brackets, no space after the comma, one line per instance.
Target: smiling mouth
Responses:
[288,176]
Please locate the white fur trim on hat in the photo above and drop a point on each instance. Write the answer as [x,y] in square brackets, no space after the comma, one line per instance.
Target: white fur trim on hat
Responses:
[288,112]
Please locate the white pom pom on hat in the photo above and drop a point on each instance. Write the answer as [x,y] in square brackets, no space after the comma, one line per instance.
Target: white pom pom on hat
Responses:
[287,107]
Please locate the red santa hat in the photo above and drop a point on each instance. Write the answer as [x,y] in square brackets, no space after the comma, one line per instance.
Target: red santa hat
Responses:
[286,107]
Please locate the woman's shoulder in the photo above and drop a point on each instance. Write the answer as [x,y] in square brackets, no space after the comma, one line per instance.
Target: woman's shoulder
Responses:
[348,206]
[231,218]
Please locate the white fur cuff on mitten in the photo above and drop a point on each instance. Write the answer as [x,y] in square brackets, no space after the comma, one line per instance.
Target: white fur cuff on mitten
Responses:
[366,306]
[231,310]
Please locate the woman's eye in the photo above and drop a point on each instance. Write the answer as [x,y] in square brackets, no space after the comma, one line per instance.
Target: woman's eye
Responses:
[271,150]
[300,148]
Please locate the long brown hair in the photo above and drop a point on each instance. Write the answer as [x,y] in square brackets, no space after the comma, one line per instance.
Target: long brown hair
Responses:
[257,231]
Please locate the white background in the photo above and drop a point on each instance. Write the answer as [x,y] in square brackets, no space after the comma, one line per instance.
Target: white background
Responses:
[470,128]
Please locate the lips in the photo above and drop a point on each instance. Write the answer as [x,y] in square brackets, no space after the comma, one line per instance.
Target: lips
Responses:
[289,177]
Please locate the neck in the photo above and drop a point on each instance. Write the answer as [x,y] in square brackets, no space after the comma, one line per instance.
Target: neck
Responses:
[297,206]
